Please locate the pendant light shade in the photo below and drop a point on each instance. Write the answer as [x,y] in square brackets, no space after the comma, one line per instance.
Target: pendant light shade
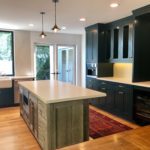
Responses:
[55,27]
[42,35]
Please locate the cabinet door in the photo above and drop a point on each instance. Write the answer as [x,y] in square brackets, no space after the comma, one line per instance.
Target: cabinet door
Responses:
[69,123]
[107,44]
[127,50]
[89,45]
[131,41]
[33,114]
[6,97]
[110,99]
[119,102]
[95,45]
[123,102]
[116,43]
[89,83]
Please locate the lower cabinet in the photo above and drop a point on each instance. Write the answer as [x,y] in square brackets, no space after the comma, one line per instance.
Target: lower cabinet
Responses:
[6,97]
[123,101]
[119,99]
[33,111]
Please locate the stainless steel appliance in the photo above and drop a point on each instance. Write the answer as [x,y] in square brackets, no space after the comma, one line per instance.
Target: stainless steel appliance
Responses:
[91,69]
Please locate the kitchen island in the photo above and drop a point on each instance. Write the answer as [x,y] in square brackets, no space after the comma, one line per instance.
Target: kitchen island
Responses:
[56,112]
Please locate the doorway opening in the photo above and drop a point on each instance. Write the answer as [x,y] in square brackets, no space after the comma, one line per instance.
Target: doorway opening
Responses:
[55,62]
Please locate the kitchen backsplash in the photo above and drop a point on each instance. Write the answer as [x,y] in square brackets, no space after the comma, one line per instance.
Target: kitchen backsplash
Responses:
[123,70]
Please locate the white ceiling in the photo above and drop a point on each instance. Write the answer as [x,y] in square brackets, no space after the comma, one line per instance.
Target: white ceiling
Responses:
[19,13]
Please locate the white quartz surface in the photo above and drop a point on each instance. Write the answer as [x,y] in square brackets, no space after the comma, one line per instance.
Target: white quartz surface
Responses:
[5,82]
[52,91]
[21,77]
[126,81]
[114,79]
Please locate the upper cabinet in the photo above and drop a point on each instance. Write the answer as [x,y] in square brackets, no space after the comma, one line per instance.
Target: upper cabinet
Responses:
[92,44]
[97,38]
[141,71]
[122,33]
[112,42]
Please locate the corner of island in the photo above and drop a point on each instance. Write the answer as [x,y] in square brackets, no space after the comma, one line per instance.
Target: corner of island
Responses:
[56,113]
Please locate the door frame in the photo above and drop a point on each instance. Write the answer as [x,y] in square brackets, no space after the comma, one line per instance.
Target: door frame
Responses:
[56,58]
[75,59]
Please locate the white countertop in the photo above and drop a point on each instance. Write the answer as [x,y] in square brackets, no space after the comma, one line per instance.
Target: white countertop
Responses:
[6,81]
[125,81]
[22,77]
[114,79]
[52,91]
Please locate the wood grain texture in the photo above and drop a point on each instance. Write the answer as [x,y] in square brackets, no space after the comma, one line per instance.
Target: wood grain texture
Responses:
[137,139]
[14,133]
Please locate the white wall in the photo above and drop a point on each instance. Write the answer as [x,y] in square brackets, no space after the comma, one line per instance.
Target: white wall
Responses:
[61,39]
[83,60]
[25,46]
[22,52]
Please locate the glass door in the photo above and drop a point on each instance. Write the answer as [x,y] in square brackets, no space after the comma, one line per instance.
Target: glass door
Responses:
[66,64]
[42,62]
[55,63]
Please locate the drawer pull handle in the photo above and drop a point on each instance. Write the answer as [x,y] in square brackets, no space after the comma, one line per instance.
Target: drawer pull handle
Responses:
[121,93]
[103,88]
[120,86]
[103,83]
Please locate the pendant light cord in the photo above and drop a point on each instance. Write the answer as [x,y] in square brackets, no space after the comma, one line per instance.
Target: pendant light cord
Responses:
[55,11]
[42,22]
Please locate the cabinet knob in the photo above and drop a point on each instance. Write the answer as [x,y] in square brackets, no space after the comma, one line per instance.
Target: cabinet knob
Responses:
[120,86]
[103,83]
[120,92]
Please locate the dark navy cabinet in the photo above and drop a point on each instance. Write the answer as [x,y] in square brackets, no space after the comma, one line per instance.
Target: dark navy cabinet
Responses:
[97,39]
[118,100]
[122,35]
[123,101]
[141,71]
[6,97]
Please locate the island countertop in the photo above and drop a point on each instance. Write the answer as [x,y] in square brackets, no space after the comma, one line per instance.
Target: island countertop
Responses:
[52,91]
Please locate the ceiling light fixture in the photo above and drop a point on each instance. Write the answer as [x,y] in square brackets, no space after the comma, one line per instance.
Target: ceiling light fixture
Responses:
[55,28]
[82,19]
[63,28]
[31,25]
[114,5]
[42,35]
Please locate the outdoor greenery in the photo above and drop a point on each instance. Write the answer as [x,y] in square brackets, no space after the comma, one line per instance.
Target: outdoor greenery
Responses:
[42,63]
[5,46]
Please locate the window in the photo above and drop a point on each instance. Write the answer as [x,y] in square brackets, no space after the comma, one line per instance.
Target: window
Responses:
[6,53]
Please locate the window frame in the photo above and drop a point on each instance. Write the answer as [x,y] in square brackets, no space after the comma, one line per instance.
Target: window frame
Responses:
[12,52]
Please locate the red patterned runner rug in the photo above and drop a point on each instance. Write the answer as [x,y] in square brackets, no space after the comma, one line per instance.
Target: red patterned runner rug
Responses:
[101,125]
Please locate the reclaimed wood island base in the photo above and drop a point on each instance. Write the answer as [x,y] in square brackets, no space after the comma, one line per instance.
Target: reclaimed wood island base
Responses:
[56,112]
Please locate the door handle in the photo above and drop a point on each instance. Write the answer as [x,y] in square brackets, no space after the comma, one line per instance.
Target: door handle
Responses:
[57,73]
[120,92]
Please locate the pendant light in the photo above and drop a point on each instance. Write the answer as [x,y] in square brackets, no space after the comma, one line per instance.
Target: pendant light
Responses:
[42,35]
[55,28]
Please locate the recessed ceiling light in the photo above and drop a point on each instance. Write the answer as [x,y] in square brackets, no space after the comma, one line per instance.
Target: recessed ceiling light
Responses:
[114,5]
[31,25]
[82,19]
[63,28]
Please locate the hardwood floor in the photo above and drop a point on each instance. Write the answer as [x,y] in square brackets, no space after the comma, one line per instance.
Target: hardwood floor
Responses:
[14,134]
[137,139]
